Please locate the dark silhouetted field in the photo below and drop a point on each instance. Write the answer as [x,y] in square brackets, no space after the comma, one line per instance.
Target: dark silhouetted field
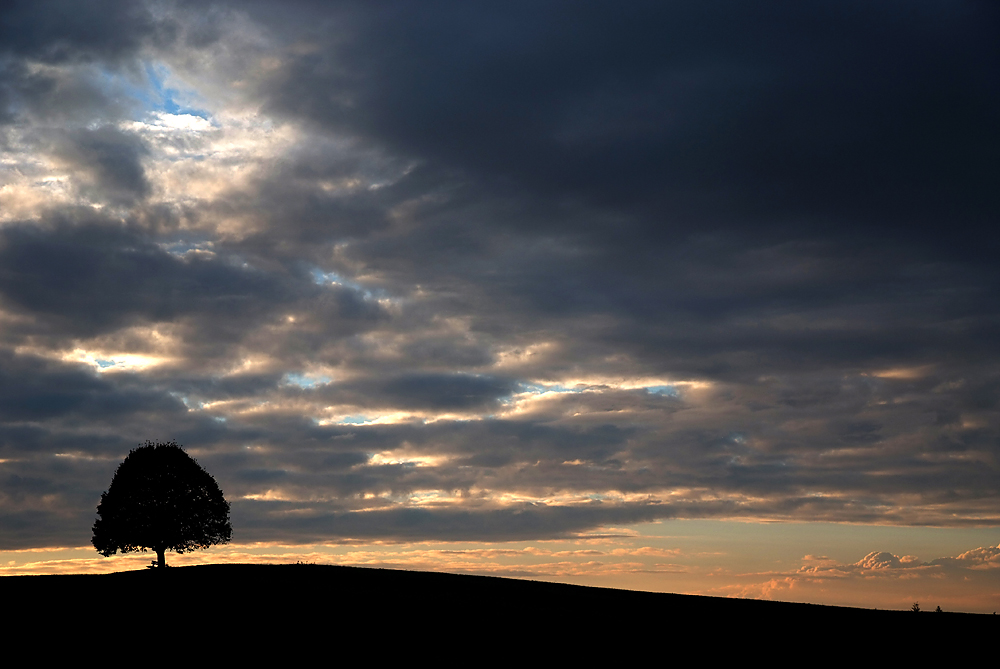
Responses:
[238,611]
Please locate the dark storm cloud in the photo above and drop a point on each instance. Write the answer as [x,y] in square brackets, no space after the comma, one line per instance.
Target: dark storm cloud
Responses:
[112,161]
[509,212]
[93,277]
[486,525]
[62,33]
[62,30]
[817,114]
[35,390]
[702,174]
[445,391]
[74,95]
[49,499]
[705,305]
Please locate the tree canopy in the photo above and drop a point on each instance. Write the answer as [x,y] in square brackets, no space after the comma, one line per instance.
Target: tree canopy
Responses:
[161,499]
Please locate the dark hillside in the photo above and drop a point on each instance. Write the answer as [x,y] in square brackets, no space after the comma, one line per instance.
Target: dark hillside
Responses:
[268,608]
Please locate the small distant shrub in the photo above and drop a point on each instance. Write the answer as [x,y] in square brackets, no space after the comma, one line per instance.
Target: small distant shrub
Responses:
[916,607]
[938,610]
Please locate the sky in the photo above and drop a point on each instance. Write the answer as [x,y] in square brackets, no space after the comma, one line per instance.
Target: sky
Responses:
[692,297]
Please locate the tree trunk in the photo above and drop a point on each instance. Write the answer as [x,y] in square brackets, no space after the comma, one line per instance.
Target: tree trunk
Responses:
[161,559]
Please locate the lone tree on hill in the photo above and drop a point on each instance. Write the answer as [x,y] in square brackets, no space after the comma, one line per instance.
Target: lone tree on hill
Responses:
[161,499]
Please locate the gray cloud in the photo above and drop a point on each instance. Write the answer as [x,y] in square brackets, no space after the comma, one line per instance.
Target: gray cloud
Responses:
[102,276]
[469,271]
[112,160]
[60,30]
[771,120]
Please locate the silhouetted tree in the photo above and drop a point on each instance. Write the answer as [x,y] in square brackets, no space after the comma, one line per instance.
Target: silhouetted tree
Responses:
[161,499]
[916,607]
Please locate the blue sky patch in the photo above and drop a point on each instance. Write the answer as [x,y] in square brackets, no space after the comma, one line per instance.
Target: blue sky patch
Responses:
[306,380]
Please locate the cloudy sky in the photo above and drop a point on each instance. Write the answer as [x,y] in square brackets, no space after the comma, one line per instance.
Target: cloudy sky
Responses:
[699,297]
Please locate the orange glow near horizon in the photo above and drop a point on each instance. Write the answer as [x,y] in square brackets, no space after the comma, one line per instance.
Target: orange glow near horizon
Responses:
[693,557]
